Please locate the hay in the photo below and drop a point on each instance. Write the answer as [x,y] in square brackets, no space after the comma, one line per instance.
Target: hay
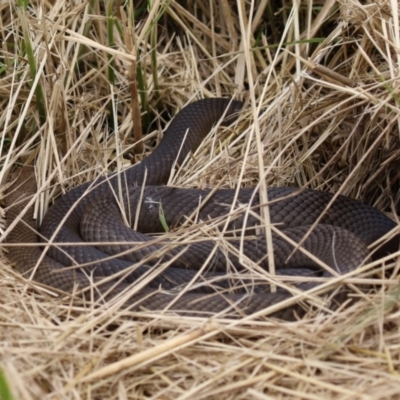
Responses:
[322,93]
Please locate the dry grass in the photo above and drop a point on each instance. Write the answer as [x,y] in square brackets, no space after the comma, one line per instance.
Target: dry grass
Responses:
[323,79]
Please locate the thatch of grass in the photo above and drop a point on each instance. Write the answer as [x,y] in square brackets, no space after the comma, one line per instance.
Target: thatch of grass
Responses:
[320,80]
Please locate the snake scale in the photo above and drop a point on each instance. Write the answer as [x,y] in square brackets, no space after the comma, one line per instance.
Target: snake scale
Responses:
[96,212]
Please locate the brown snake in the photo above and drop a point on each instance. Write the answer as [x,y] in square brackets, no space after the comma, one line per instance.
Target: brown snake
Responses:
[92,213]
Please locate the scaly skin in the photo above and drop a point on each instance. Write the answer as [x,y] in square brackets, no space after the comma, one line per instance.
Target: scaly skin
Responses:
[93,214]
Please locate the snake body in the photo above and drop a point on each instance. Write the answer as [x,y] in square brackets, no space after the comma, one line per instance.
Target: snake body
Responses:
[95,212]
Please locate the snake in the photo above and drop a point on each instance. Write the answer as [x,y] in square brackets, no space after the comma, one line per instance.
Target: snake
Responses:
[109,234]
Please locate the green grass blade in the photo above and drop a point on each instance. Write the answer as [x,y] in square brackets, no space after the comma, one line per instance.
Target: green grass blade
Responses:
[32,66]
[5,392]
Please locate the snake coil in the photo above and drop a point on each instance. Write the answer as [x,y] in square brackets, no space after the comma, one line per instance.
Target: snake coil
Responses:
[92,213]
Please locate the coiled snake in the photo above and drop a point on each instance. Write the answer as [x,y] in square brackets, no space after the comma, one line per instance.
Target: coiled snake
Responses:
[92,213]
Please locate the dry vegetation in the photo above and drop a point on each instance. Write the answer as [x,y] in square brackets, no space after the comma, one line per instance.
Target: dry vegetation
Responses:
[322,78]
